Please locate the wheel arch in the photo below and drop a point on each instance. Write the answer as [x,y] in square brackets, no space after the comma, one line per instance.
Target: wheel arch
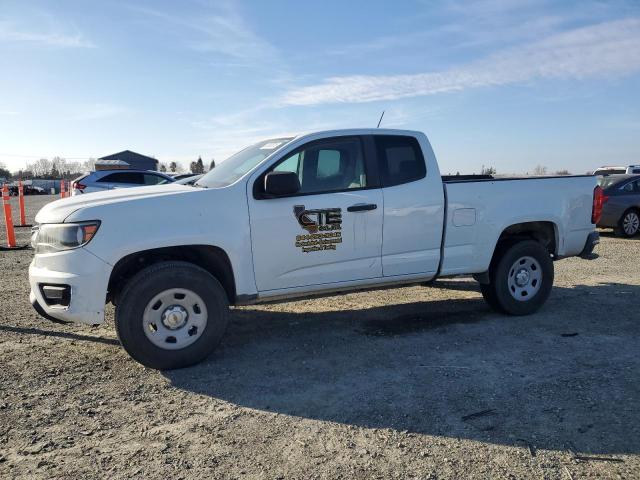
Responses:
[213,259]
[632,208]
[544,232]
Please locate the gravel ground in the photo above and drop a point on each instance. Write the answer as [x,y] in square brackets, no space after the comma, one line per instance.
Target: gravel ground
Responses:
[421,382]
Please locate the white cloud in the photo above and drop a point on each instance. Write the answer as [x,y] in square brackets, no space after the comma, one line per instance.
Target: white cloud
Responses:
[225,134]
[219,29]
[11,33]
[606,49]
[462,25]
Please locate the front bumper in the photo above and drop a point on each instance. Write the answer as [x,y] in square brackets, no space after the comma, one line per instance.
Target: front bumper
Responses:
[88,284]
[41,311]
[592,240]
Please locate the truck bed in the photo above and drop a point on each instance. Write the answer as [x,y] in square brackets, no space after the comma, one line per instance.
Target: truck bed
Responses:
[480,209]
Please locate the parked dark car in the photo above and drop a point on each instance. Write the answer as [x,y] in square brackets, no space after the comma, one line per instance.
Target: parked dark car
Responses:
[621,209]
[27,190]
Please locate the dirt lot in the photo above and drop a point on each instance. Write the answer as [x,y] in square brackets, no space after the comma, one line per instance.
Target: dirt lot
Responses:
[411,383]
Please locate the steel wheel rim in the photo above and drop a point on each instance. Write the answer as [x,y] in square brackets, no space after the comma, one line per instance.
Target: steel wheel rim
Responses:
[631,223]
[524,278]
[174,318]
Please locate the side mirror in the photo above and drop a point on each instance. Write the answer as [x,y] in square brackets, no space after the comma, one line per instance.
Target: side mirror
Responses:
[281,183]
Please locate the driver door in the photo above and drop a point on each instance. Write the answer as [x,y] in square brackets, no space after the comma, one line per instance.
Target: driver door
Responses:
[331,230]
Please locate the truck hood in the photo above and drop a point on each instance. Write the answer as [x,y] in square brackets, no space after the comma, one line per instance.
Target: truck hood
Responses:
[58,211]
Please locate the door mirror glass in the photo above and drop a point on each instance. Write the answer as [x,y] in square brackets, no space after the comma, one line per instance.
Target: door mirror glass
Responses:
[281,183]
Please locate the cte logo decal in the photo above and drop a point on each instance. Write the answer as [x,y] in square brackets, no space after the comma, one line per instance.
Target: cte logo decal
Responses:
[324,227]
[322,219]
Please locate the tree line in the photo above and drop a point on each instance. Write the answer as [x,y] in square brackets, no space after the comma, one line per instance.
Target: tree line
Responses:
[59,167]
[196,167]
[44,168]
[539,170]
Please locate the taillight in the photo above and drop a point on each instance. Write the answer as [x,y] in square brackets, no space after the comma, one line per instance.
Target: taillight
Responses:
[78,186]
[599,199]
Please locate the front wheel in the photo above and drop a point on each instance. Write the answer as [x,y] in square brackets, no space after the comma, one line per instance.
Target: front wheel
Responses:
[521,277]
[171,315]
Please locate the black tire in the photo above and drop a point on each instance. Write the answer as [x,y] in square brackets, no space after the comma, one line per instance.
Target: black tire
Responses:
[489,295]
[628,216]
[497,293]
[153,280]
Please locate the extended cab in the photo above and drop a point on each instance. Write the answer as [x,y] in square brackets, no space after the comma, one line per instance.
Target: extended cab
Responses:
[321,213]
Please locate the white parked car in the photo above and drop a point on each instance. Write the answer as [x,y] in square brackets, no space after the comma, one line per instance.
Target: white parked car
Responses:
[326,212]
[102,180]
[628,170]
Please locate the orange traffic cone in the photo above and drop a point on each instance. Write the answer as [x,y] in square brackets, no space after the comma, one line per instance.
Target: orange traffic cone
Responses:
[8,221]
[23,217]
[62,189]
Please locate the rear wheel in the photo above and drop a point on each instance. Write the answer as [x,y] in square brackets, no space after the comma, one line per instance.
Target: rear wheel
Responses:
[521,277]
[171,315]
[630,223]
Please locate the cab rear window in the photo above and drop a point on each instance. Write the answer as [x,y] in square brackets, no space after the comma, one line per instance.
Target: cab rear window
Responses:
[400,159]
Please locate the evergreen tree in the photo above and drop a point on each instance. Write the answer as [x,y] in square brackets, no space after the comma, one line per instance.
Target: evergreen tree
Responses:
[199,166]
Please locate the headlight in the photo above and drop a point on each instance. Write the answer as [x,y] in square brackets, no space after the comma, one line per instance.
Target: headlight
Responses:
[55,237]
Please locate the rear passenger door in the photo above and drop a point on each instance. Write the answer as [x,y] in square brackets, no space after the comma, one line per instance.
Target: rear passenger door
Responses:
[413,207]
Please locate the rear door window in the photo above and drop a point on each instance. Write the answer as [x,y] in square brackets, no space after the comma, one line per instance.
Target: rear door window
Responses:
[151,179]
[400,159]
[132,178]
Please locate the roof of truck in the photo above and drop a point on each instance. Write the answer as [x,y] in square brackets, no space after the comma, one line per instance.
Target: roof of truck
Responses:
[361,131]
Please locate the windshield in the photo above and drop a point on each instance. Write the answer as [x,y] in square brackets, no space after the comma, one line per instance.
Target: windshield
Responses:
[239,164]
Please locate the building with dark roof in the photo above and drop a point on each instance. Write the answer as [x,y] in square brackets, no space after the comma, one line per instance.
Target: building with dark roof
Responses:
[127,159]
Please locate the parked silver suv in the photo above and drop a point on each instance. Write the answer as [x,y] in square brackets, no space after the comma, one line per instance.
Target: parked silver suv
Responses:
[101,180]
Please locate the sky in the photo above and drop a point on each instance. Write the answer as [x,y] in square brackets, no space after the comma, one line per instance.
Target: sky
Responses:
[505,83]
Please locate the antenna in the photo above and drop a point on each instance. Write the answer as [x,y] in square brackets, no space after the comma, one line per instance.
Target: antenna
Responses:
[380,121]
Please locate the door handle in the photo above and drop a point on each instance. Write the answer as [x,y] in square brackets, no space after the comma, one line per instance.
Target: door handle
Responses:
[362,207]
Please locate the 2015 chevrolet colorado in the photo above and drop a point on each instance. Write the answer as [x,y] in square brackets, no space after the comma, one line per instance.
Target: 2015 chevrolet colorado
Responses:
[320,213]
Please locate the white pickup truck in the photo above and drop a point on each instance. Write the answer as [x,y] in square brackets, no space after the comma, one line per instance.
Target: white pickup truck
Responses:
[321,213]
